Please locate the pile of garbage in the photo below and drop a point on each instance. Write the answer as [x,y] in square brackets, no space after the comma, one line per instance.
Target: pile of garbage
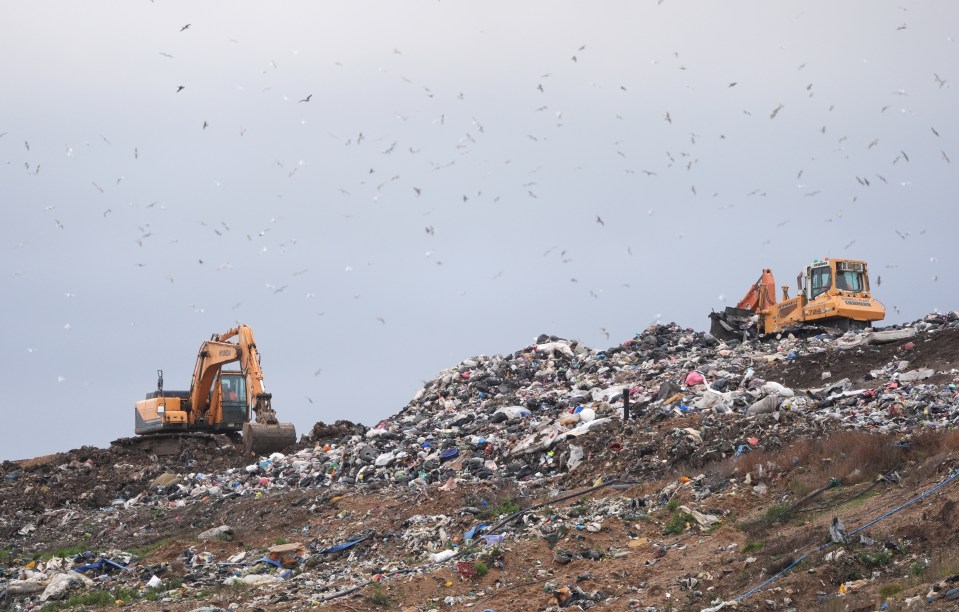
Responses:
[532,414]
[554,411]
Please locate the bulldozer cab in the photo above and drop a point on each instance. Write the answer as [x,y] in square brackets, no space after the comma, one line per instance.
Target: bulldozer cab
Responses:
[843,276]
[851,277]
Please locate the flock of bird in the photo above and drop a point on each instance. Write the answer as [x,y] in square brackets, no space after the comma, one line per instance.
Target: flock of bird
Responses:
[378,177]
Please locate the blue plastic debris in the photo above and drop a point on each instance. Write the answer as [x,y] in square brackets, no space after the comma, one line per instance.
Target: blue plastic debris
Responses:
[469,535]
[103,563]
[343,546]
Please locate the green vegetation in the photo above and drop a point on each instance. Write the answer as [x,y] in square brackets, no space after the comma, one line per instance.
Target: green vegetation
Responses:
[93,599]
[779,513]
[378,596]
[875,560]
[481,569]
[65,553]
[917,568]
[753,546]
[678,523]
[281,541]
[579,509]
[506,506]
[888,590]
[142,551]
[672,505]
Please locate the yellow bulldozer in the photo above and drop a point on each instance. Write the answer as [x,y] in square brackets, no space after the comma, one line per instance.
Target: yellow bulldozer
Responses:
[832,293]
[218,401]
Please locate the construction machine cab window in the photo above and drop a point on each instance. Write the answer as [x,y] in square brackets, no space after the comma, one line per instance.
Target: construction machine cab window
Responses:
[849,281]
[821,281]
[234,389]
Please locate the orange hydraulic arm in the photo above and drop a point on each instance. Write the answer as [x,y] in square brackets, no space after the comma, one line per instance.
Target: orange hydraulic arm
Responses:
[212,357]
[761,295]
[250,366]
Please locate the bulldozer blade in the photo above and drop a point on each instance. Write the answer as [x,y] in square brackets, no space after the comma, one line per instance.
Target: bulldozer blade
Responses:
[264,439]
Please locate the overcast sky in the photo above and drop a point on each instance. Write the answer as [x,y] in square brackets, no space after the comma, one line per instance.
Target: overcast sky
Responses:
[382,189]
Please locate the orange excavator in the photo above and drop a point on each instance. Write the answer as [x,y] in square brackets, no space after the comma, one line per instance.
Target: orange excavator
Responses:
[219,401]
[831,293]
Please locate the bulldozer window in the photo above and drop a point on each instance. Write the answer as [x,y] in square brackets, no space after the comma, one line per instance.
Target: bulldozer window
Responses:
[849,281]
[821,281]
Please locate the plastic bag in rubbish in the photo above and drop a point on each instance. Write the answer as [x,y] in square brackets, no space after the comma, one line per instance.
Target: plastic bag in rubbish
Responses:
[575,456]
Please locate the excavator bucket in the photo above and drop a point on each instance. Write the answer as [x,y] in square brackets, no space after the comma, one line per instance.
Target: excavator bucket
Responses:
[264,439]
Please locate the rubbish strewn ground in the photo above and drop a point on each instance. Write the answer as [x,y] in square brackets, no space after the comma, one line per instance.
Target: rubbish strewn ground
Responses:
[513,482]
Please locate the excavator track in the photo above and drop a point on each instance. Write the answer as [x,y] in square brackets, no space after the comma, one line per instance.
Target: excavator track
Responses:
[175,443]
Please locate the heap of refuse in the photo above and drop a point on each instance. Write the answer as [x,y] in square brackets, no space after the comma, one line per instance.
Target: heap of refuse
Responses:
[530,414]
[555,414]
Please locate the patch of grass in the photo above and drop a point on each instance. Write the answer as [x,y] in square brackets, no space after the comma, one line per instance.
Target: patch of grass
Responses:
[888,590]
[917,568]
[753,546]
[6,556]
[143,551]
[93,599]
[678,523]
[65,553]
[873,560]
[778,513]
[481,569]
[378,596]
[125,594]
[672,505]
[943,565]
[851,456]
[506,507]
[281,541]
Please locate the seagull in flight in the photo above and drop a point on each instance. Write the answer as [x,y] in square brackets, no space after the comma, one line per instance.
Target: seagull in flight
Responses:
[185,27]
[307,99]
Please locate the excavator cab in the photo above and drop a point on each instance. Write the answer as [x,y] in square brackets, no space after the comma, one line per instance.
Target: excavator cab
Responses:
[233,401]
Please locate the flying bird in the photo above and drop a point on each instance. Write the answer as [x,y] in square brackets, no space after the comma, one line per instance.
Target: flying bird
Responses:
[180,88]
[775,112]
[307,99]
[185,27]
[600,220]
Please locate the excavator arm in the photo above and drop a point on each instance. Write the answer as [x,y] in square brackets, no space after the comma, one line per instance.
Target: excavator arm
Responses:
[267,434]
[260,400]
[213,355]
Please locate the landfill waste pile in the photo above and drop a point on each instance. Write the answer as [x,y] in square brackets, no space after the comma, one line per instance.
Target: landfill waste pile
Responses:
[672,471]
